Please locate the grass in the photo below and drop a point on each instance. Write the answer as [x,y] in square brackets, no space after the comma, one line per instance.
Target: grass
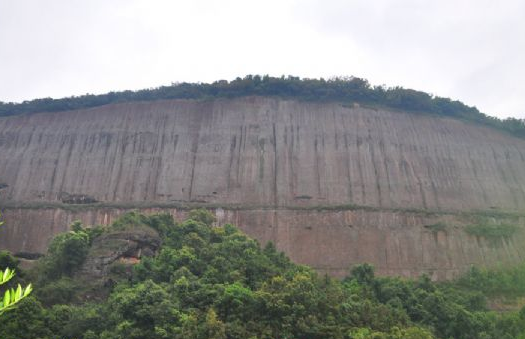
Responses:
[492,230]
[476,214]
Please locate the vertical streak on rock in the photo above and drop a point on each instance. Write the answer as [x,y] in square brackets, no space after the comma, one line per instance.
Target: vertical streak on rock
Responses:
[522,157]
[516,184]
[519,152]
[122,150]
[245,138]
[66,166]
[275,197]
[421,190]
[461,243]
[316,168]
[192,176]
[276,234]
[376,173]
[237,173]
[384,156]
[260,158]
[233,145]
[348,172]
[175,142]
[291,176]
[504,177]
[159,162]
[360,169]
[347,158]
[359,141]
[430,166]
[53,174]
[29,140]
[334,122]
[194,147]
[476,178]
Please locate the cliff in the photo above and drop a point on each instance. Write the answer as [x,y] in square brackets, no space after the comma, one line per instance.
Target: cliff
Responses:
[375,175]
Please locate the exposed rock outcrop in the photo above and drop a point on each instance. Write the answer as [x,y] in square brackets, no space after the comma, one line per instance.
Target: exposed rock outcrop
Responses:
[395,242]
[271,164]
[124,247]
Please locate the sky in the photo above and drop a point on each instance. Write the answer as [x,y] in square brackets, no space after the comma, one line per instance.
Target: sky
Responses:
[469,50]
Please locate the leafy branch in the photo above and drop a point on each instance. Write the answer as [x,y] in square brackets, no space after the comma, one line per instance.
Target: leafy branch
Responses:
[11,296]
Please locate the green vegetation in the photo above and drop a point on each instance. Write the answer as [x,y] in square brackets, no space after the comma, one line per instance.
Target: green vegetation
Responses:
[490,229]
[511,216]
[215,283]
[344,90]
[12,296]
[503,282]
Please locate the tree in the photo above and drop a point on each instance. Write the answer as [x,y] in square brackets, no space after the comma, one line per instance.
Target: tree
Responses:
[67,252]
[12,296]
[364,274]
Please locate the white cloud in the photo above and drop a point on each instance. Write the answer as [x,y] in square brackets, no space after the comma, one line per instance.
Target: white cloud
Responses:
[464,49]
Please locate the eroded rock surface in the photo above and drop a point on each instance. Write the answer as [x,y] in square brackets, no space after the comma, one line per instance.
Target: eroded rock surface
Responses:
[260,151]
[277,161]
[124,248]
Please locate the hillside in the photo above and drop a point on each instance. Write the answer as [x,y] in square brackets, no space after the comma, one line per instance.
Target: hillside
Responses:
[330,183]
[339,89]
[207,282]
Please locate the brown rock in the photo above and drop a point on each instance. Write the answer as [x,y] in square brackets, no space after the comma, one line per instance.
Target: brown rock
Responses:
[277,161]
[125,247]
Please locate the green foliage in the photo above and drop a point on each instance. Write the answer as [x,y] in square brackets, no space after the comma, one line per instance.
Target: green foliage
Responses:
[364,274]
[163,223]
[203,216]
[128,220]
[395,333]
[7,260]
[505,281]
[92,232]
[61,291]
[341,89]
[492,230]
[27,321]
[12,296]
[215,282]
[144,311]
[66,253]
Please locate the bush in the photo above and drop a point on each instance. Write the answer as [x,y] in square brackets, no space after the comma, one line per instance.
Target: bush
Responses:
[215,282]
[341,89]
[66,253]
[492,231]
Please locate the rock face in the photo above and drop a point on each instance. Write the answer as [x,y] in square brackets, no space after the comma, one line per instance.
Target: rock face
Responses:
[270,164]
[125,247]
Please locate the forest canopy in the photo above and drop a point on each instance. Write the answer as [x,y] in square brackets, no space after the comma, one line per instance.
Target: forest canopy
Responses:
[210,282]
[339,89]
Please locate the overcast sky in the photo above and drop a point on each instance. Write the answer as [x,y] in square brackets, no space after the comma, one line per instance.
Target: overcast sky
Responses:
[471,50]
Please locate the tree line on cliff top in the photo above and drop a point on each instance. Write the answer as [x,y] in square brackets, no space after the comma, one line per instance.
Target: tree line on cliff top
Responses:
[215,283]
[340,89]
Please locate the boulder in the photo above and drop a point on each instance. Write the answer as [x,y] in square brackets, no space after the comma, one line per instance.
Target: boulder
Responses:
[118,250]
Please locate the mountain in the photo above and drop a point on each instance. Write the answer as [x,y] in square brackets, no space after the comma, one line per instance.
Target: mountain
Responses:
[332,182]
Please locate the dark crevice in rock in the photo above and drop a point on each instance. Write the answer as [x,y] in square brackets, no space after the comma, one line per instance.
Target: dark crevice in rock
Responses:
[28,255]
[67,198]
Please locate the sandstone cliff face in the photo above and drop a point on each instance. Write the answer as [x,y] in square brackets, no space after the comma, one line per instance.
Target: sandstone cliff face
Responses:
[275,160]
[396,242]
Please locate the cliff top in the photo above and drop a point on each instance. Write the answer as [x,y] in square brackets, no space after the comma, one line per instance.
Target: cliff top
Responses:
[344,90]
